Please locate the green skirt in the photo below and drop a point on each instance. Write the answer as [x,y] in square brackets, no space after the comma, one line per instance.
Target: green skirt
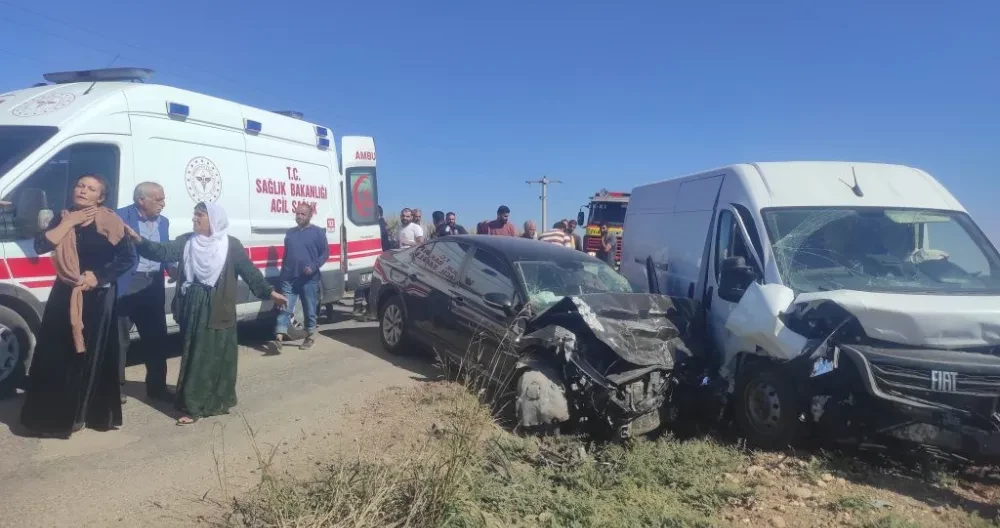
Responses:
[206,385]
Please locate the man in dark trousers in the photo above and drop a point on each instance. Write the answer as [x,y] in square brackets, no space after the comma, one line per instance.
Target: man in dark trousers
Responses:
[609,246]
[306,251]
[141,296]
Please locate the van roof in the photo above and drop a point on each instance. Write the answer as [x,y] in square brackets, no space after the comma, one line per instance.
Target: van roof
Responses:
[832,183]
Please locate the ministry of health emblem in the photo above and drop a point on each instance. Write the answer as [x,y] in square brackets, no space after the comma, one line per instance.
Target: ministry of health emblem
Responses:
[203,180]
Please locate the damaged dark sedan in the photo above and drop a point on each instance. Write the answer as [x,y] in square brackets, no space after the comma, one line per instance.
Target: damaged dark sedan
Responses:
[560,329]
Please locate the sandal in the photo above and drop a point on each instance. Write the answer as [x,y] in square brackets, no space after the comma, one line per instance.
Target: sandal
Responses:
[186,420]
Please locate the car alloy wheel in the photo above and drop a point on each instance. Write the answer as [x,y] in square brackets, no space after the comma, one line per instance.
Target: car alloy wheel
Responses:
[392,325]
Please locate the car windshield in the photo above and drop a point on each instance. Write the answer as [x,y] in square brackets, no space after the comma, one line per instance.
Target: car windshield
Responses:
[16,142]
[607,212]
[884,250]
[549,281]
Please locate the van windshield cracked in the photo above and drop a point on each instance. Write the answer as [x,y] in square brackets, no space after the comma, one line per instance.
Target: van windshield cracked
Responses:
[882,250]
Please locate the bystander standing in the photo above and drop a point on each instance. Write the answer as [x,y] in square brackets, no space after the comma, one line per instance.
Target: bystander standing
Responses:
[450,226]
[571,230]
[530,231]
[409,233]
[502,226]
[557,235]
[609,246]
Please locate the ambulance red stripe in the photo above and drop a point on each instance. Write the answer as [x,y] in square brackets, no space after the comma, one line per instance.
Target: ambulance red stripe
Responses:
[262,256]
[364,245]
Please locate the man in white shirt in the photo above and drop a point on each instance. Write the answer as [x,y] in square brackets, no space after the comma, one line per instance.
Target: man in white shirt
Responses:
[409,233]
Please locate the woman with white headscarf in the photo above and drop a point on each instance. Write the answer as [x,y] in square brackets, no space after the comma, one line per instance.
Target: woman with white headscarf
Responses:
[212,262]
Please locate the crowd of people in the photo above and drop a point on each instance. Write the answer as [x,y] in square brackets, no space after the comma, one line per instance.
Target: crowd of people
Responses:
[410,232]
[110,268]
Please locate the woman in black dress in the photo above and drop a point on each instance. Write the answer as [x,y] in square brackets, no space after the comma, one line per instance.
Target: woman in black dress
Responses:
[74,382]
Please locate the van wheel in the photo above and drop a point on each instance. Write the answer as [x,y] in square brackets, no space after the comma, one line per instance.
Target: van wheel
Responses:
[15,351]
[767,409]
[392,327]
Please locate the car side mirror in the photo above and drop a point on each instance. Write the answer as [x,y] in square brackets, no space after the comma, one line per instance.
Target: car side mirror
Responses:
[736,277]
[500,301]
[580,218]
[32,214]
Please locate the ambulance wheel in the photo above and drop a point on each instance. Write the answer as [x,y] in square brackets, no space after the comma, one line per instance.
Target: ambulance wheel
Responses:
[15,351]
[392,327]
[766,408]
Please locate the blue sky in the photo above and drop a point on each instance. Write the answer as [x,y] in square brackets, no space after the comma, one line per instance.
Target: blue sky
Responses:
[467,100]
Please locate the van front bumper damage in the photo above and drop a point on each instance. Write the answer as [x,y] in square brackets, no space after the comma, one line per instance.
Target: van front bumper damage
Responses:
[941,399]
[874,371]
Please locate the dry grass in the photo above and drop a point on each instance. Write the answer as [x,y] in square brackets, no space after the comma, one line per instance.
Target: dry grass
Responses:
[468,472]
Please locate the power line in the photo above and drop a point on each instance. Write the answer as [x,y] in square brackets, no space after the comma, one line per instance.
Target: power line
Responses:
[77,27]
[108,38]
[20,56]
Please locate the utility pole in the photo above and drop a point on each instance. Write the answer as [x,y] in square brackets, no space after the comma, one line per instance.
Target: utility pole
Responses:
[544,182]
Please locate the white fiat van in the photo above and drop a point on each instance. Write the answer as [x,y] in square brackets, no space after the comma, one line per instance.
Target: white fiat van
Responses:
[256,163]
[857,298]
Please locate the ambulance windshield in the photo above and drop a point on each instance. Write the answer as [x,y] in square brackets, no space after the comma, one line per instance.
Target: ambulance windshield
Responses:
[16,142]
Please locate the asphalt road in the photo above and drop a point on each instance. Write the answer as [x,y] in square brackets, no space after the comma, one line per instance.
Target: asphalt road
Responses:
[155,473]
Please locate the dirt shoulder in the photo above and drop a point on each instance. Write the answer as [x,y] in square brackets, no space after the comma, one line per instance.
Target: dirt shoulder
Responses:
[301,407]
[430,455]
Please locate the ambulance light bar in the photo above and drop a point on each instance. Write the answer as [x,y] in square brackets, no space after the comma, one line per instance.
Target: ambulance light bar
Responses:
[105,74]
[321,131]
[323,143]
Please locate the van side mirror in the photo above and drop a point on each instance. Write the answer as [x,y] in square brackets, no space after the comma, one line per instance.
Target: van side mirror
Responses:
[500,301]
[580,219]
[32,214]
[735,278]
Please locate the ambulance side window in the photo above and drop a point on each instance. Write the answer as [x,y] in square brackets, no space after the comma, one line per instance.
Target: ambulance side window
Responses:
[51,183]
[362,196]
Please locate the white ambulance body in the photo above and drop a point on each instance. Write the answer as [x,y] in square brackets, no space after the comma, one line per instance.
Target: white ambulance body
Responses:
[257,164]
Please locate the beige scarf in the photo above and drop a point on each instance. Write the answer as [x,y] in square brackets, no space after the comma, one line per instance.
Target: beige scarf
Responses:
[66,260]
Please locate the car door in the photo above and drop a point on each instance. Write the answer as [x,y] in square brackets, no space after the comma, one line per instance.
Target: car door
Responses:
[486,332]
[428,287]
[730,240]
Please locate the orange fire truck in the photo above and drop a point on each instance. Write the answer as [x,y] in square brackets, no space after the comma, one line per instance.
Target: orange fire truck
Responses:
[604,208]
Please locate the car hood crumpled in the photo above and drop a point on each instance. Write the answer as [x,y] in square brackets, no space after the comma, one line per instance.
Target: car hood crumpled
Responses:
[641,329]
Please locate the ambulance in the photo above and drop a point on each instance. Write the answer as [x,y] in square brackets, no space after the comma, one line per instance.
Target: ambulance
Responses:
[258,164]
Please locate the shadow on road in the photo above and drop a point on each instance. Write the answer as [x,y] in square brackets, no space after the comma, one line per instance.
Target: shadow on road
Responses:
[10,415]
[367,338]
[136,391]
